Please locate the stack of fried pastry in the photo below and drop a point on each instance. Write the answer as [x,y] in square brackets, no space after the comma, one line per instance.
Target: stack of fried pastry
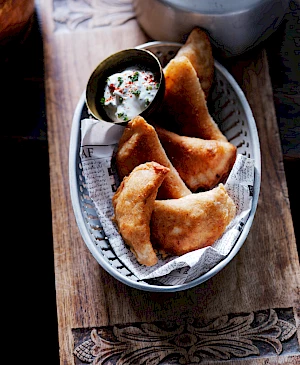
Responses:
[172,199]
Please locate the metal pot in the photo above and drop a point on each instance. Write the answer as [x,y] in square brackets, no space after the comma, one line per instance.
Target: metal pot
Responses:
[233,26]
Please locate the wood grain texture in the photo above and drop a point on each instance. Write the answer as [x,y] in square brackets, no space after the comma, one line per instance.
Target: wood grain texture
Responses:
[188,341]
[263,275]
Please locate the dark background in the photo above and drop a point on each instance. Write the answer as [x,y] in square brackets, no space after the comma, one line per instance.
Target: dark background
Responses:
[27,230]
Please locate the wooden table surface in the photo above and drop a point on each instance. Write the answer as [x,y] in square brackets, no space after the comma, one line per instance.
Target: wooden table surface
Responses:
[98,316]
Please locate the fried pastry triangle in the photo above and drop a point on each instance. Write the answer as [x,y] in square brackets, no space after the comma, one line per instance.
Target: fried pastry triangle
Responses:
[201,163]
[195,221]
[184,107]
[133,203]
[138,144]
[197,49]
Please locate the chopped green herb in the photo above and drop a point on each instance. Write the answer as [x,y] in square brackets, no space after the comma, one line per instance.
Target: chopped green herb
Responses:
[147,102]
[121,99]
[102,101]
[123,116]
[120,81]
[136,92]
[135,76]
[157,85]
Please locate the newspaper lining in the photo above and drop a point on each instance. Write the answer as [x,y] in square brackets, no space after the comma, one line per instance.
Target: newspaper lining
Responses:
[99,140]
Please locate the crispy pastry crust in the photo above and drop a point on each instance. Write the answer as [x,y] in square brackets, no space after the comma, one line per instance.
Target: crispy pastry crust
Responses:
[201,163]
[198,50]
[195,221]
[139,144]
[133,203]
[185,110]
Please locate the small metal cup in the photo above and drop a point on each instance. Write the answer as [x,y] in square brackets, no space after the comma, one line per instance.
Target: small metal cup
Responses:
[118,62]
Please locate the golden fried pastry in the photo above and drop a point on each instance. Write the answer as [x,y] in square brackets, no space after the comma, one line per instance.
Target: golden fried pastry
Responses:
[133,204]
[138,144]
[201,163]
[197,49]
[182,225]
[185,103]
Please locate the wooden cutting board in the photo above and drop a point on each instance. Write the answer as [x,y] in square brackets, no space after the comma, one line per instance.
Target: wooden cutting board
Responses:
[248,313]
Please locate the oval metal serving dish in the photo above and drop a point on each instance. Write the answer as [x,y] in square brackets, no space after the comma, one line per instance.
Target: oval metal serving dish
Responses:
[233,114]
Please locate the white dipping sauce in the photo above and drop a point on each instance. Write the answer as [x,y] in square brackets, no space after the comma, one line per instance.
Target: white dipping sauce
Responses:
[128,93]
